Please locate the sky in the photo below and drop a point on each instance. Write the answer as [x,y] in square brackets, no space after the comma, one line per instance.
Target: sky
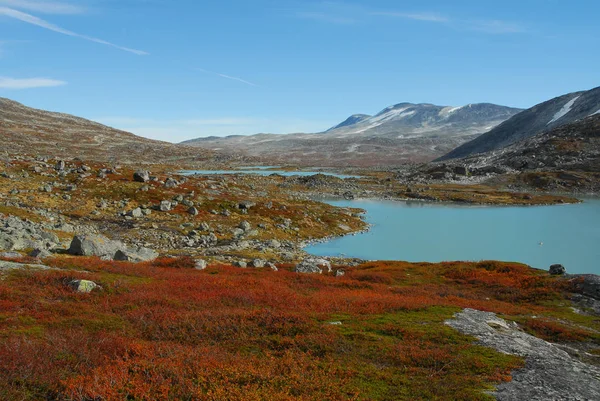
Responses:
[180,69]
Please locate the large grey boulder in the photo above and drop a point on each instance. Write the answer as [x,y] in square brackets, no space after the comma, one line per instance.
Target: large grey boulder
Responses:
[313,266]
[141,176]
[94,245]
[557,270]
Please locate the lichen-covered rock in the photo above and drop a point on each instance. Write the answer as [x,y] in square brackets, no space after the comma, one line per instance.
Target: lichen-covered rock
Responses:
[83,286]
[258,263]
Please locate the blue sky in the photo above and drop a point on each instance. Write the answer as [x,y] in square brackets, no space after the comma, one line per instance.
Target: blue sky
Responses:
[180,69]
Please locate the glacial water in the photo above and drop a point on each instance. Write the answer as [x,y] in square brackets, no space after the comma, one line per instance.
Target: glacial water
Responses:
[266,173]
[428,232]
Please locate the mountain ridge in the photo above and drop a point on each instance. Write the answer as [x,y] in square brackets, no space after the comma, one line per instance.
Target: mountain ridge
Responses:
[402,133]
[540,118]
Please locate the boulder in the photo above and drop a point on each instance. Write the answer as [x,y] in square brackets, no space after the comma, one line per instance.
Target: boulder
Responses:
[193,211]
[141,176]
[200,264]
[135,255]
[258,263]
[137,213]
[40,253]
[244,225]
[165,206]
[94,245]
[313,266]
[171,183]
[83,286]
[557,270]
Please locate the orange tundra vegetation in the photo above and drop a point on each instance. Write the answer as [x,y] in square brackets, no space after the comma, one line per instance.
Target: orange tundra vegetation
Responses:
[164,331]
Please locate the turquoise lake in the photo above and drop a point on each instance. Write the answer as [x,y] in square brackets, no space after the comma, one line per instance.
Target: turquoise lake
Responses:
[428,232]
[263,171]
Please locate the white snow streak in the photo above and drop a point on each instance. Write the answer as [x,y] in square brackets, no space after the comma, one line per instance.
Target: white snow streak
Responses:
[564,111]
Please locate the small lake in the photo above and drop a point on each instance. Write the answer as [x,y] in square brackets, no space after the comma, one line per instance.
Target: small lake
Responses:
[265,172]
[429,232]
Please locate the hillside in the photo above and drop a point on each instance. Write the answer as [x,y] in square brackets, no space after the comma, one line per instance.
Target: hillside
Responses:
[399,134]
[24,130]
[540,118]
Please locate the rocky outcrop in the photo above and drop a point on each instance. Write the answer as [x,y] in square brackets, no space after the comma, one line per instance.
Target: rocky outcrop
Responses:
[313,266]
[550,373]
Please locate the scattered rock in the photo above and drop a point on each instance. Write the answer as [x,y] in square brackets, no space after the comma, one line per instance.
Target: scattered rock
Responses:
[244,225]
[340,273]
[141,176]
[171,183]
[94,245]
[258,263]
[165,206]
[200,264]
[193,211]
[135,255]
[40,253]
[83,286]
[313,266]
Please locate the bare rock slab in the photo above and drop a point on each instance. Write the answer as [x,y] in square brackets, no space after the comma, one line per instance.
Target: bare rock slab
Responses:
[550,373]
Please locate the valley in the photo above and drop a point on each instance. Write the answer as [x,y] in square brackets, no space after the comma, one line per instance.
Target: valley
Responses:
[225,275]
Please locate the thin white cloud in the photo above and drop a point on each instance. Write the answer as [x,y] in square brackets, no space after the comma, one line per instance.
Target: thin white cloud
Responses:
[227,77]
[426,17]
[29,83]
[30,19]
[46,7]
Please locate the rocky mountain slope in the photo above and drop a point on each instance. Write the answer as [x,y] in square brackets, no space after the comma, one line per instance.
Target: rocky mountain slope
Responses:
[399,134]
[24,130]
[540,118]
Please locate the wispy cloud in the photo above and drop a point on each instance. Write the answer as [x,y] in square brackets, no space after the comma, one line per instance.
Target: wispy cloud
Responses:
[30,19]
[28,83]
[427,17]
[46,7]
[227,77]
[347,13]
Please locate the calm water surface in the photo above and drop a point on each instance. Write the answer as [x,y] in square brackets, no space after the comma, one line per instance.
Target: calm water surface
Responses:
[424,232]
[265,173]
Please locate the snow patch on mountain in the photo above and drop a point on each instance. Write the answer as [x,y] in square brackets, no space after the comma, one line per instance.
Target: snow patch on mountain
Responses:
[593,114]
[564,111]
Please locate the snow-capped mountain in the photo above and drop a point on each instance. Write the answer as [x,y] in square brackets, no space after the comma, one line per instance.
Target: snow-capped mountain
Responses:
[543,117]
[405,132]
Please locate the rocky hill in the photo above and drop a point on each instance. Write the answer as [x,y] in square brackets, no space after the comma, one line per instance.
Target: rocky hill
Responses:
[24,130]
[399,134]
[540,118]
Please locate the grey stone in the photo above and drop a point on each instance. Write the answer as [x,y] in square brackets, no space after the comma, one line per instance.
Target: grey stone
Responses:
[258,263]
[244,225]
[193,211]
[136,213]
[171,183]
[241,264]
[313,266]
[141,176]
[200,264]
[165,206]
[557,270]
[40,253]
[83,286]
[94,245]
[135,255]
